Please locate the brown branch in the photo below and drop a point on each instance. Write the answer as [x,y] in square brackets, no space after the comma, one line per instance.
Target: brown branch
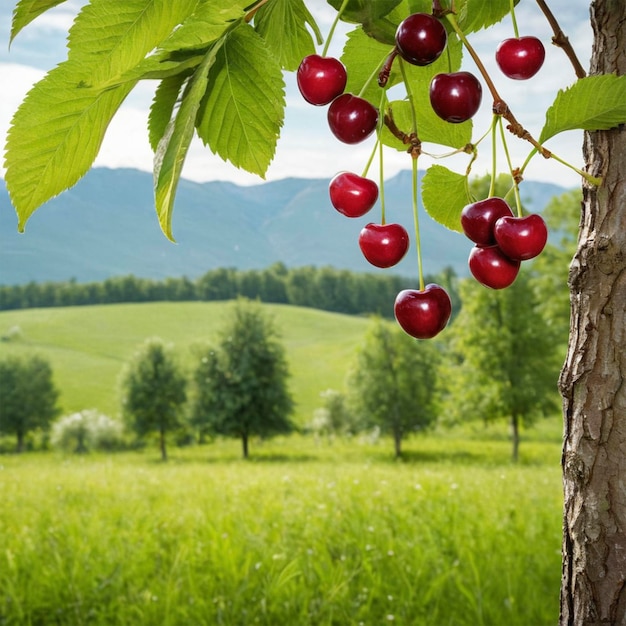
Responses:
[561,41]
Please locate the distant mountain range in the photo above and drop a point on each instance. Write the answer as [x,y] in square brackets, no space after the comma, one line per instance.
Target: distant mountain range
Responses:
[106,226]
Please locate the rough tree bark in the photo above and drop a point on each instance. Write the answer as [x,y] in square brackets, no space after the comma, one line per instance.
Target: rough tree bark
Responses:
[593,589]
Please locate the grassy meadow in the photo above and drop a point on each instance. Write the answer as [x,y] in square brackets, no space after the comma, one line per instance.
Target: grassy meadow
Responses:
[305,533]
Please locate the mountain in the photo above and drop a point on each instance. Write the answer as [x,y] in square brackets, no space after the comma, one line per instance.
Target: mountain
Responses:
[106,226]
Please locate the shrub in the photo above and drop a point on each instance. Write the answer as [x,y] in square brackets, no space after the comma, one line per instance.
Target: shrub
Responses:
[87,430]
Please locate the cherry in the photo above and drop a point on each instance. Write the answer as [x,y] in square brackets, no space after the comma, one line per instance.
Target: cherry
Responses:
[351,118]
[321,79]
[352,194]
[492,268]
[521,238]
[455,97]
[520,58]
[423,314]
[384,245]
[478,219]
[421,38]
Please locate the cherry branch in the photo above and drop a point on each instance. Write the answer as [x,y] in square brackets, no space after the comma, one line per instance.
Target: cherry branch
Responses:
[560,40]
[500,107]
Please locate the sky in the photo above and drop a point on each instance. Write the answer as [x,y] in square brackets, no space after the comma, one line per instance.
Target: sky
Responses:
[307,148]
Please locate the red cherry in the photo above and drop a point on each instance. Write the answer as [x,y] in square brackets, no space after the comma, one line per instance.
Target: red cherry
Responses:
[455,97]
[321,79]
[520,58]
[352,194]
[521,238]
[423,314]
[351,118]
[421,38]
[478,219]
[384,245]
[492,268]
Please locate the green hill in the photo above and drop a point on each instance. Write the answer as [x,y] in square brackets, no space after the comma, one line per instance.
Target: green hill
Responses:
[88,346]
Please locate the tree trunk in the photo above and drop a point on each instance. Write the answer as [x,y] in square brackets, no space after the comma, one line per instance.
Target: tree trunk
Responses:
[163,445]
[515,436]
[19,448]
[397,442]
[244,444]
[593,589]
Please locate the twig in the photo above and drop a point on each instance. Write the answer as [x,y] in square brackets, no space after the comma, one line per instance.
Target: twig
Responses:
[561,40]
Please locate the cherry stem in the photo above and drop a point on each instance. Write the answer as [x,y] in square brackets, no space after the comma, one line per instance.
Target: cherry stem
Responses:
[381,183]
[331,32]
[592,180]
[561,41]
[494,157]
[514,175]
[416,222]
[514,20]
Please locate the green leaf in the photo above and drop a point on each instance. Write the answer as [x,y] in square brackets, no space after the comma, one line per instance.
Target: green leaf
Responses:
[26,11]
[444,194]
[55,135]
[57,131]
[162,107]
[242,113]
[283,25]
[477,14]
[206,25]
[362,11]
[109,39]
[174,145]
[591,103]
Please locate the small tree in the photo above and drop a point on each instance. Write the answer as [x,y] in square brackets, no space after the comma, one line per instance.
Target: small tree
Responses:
[503,359]
[153,391]
[28,396]
[241,386]
[392,385]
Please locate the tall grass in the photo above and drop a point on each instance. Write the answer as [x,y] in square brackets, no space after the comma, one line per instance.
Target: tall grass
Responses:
[304,534]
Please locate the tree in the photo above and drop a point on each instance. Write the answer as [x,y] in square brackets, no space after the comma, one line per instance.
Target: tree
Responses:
[503,361]
[28,396]
[241,385]
[392,384]
[153,391]
[593,380]
[246,47]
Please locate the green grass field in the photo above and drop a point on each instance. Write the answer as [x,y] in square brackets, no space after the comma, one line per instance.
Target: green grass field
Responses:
[88,346]
[303,534]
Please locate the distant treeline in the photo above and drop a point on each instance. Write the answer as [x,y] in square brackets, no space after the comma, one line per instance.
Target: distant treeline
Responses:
[324,288]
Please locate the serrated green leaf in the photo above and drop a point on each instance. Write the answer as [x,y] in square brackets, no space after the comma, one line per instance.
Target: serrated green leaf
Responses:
[26,11]
[476,14]
[54,137]
[241,116]
[206,25]
[165,98]
[174,145]
[109,39]
[444,194]
[283,25]
[591,103]
[57,131]
[361,11]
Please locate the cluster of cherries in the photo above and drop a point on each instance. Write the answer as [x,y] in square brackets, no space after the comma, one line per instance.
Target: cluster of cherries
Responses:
[502,240]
